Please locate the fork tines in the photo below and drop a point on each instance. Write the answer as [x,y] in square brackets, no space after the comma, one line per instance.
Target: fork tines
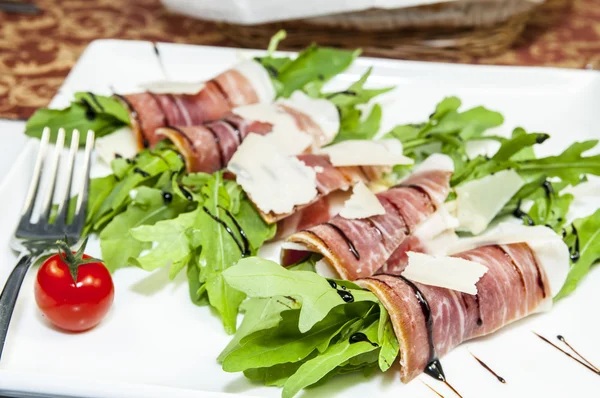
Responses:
[60,227]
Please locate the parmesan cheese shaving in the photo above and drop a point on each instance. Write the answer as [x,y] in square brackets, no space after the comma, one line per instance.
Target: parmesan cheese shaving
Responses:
[436,162]
[366,153]
[121,141]
[478,201]
[447,272]
[550,251]
[259,78]
[321,111]
[362,204]
[172,87]
[286,135]
[274,182]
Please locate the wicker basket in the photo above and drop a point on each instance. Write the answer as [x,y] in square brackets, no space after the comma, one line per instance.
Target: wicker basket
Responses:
[473,27]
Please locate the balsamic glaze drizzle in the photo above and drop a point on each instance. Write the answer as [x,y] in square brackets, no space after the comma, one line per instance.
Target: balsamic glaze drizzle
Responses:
[575,254]
[184,136]
[432,389]
[218,142]
[479,320]
[346,239]
[344,92]
[159,58]
[547,185]
[486,367]
[95,101]
[246,251]
[167,197]
[522,215]
[90,112]
[235,129]
[562,339]
[358,337]
[343,292]
[229,230]
[141,172]
[186,193]
[592,368]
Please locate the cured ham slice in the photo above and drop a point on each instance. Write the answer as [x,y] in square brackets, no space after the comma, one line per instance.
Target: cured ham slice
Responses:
[209,147]
[429,321]
[357,248]
[329,179]
[247,83]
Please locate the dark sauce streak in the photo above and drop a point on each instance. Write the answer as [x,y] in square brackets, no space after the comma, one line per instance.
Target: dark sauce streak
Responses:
[575,254]
[141,172]
[90,112]
[434,368]
[547,185]
[358,337]
[407,229]
[522,215]
[246,251]
[346,239]
[541,138]
[130,161]
[561,338]
[479,320]
[486,367]
[568,354]
[221,90]
[95,101]
[375,227]
[184,136]
[229,230]
[187,194]
[118,156]
[218,142]
[343,293]
[235,129]
[167,197]
[515,267]
[159,58]
[432,389]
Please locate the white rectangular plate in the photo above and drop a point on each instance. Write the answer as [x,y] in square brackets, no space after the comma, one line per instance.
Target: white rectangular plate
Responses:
[156,343]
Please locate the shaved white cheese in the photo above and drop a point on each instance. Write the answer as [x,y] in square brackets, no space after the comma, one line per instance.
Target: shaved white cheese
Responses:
[438,223]
[259,78]
[366,153]
[550,251]
[440,244]
[172,87]
[275,182]
[436,162]
[286,135]
[121,142]
[447,272]
[362,204]
[478,201]
[323,112]
[323,268]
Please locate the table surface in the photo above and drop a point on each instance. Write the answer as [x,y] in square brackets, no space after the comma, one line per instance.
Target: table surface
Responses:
[37,52]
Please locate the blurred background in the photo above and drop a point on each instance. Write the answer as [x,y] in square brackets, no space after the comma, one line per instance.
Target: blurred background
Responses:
[40,41]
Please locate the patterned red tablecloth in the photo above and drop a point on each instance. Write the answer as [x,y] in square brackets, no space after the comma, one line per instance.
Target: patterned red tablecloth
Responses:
[37,52]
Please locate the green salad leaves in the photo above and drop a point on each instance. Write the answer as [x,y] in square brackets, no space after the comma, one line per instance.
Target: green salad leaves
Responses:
[298,330]
[87,111]
[583,239]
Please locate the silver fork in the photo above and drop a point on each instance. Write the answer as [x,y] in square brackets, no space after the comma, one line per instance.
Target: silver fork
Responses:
[32,239]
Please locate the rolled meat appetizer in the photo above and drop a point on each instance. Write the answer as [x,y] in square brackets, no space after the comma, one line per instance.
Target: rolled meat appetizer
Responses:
[296,124]
[357,248]
[246,83]
[429,321]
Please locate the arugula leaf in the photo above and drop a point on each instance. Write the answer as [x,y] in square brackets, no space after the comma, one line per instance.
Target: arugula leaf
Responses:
[116,241]
[172,243]
[584,240]
[314,63]
[313,370]
[80,115]
[258,277]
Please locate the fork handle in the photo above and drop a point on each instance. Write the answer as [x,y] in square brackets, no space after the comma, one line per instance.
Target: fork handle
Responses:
[9,295]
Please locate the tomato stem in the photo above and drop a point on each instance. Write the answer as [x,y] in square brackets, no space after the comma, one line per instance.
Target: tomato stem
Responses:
[74,260]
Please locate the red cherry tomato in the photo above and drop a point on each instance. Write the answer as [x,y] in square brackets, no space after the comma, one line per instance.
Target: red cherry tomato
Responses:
[73,306]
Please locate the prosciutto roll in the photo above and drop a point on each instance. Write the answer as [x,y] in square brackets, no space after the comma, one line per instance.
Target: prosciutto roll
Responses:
[329,179]
[429,321]
[293,122]
[358,248]
[246,83]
